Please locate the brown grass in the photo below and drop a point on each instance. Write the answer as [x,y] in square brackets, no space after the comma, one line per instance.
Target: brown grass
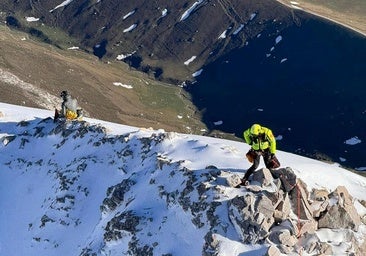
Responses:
[349,13]
[37,69]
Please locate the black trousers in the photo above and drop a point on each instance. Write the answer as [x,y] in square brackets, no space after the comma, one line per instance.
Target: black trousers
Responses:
[266,157]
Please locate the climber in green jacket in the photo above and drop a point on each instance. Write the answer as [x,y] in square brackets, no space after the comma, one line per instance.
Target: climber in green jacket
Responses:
[262,143]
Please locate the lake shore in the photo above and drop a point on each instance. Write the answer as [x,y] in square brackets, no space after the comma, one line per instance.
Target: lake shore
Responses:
[321,13]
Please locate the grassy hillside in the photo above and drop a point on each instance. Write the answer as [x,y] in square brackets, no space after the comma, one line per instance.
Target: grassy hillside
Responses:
[33,73]
[351,13]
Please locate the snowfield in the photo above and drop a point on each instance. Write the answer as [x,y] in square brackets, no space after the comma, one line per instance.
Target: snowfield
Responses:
[80,188]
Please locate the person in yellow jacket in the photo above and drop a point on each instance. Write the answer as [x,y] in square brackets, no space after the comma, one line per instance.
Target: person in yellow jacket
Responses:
[262,143]
[69,108]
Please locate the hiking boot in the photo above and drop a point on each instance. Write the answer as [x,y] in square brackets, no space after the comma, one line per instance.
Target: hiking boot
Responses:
[244,182]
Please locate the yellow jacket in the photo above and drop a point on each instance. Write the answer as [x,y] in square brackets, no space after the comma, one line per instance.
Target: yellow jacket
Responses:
[263,141]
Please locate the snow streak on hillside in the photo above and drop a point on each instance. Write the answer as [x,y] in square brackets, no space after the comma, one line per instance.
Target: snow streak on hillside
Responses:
[81,188]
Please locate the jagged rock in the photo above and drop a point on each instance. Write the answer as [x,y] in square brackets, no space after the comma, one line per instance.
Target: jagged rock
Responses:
[211,244]
[7,139]
[363,202]
[361,250]
[39,132]
[287,177]
[283,209]
[161,161]
[306,227]
[263,176]
[343,213]
[23,142]
[319,195]
[299,201]
[273,251]
[310,243]
[282,235]
[121,224]
[233,180]
[23,123]
[319,207]
[115,195]
[325,249]
[45,219]
[253,216]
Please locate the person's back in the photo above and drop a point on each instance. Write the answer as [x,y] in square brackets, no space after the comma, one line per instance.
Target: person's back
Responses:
[70,103]
[69,106]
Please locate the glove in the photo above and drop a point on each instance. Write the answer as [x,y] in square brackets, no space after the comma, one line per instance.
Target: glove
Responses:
[272,156]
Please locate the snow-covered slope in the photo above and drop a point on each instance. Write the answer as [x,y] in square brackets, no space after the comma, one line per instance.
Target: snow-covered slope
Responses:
[96,187]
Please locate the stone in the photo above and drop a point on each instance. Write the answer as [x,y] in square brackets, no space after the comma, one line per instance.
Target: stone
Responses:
[233,180]
[342,214]
[281,235]
[262,176]
[300,203]
[287,177]
[283,209]
[273,251]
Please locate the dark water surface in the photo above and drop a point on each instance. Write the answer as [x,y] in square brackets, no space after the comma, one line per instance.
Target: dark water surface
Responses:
[316,99]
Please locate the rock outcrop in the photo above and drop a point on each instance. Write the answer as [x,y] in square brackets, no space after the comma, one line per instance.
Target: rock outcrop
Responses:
[288,216]
[145,196]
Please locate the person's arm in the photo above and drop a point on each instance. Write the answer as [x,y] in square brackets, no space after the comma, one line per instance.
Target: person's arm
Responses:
[272,141]
[246,135]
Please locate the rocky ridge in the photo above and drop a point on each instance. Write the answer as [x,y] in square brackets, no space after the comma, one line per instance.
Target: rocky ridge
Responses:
[276,209]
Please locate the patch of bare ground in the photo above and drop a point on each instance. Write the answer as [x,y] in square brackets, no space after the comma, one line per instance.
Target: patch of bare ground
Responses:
[350,14]
[33,74]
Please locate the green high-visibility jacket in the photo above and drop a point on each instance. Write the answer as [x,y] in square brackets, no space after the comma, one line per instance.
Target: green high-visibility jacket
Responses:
[265,140]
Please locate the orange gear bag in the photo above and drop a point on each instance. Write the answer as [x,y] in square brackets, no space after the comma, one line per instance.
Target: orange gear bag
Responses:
[251,155]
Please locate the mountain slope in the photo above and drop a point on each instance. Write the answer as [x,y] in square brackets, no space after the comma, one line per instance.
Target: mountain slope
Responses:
[258,61]
[97,188]
[158,36]
[33,74]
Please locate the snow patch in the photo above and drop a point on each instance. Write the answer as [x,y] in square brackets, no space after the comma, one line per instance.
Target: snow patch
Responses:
[197,73]
[124,56]
[164,13]
[223,35]
[238,29]
[353,141]
[63,4]
[278,39]
[31,19]
[190,10]
[342,159]
[252,16]
[279,137]
[128,14]
[130,28]
[187,62]
[123,85]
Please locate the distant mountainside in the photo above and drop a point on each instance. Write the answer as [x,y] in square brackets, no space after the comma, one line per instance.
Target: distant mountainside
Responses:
[258,61]
[92,188]
[169,39]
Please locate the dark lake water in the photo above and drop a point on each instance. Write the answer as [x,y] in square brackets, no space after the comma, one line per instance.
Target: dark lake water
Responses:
[311,89]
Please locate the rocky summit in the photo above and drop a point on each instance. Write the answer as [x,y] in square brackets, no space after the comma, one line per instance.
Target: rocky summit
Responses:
[95,193]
